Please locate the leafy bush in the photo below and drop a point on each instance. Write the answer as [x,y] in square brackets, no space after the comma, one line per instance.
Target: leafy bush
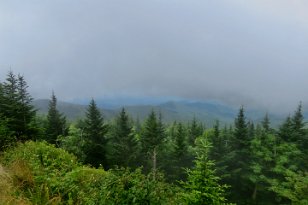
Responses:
[47,175]
[126,187]
[38,169]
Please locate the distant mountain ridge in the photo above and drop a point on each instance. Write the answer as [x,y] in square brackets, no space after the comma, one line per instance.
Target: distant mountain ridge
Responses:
[184,111]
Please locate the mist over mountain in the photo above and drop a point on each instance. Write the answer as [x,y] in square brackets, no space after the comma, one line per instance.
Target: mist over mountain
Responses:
[172,110]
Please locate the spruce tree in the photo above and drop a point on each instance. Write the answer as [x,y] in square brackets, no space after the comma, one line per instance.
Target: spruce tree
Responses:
[151,139]
[202,185]
[180,141]
[217,142]
[123,143]
[95,137]
[263,155]
[266,123]
[300,137]
[299,131]
[16,107]
[180,153]
[285,131]
[195,130]
[239,165]
[220,150]
[56,122]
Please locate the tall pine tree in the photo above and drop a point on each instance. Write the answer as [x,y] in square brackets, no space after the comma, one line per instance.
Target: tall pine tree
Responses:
[95,137]
[239,166]
[56,122]
[123,143]
[203,185]
[16,107]
[151,139]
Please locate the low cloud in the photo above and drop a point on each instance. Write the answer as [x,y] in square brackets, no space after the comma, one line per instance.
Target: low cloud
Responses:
[239,52]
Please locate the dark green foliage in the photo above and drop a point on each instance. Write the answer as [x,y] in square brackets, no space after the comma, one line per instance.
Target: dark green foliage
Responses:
[56,122]
[218,143]
[7,137]
[95,137]
[264,153]
[241,141]
[16,111]
[202,185]
[152,136]
[180,148]
[300,137]
[123,144]
[178,158]
[285,130]
[266,123]
[220,152]
[195,130]
[239,163]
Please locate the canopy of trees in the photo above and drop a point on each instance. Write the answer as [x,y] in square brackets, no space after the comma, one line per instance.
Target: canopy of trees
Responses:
[45,159]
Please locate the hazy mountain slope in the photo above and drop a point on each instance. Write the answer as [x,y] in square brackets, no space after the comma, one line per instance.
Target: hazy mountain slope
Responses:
[70,110]
[207,112]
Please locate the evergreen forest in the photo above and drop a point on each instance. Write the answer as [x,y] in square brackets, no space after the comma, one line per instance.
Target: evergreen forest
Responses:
[51,160]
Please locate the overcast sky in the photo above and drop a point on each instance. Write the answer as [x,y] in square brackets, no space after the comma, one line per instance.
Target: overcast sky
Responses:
[236,51]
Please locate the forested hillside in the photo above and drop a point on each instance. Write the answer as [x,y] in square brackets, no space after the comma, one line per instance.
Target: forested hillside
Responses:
[206,112]
[125,160]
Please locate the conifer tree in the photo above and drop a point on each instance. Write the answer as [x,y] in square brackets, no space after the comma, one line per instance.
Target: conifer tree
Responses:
[16,107]
[152,137]
[95,137]
[299,131]
[299,137]
[56,122]
[266,123]
[285,130]
[239,166]
[180,153]
[217,142]
[180,141]
[123,142]
[202,185]
[195,130]
[263,155]
[220,152]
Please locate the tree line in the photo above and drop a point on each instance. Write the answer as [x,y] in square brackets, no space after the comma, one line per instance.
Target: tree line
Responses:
[243,163]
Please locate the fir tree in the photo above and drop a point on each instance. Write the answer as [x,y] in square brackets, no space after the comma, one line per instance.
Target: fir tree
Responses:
[239,165]
[195,130]
[123,142]
[56,122]
[221,149]
[180,152]
[95,137]
[16,107]
[300,137]
[180,139]
[285,130]
[152,137]
[202,186]
[263,155]
[266,123]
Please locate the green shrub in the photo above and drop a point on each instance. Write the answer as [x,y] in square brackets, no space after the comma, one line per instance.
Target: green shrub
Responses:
[43,174]
[38,169]
[82,185]
[126,187]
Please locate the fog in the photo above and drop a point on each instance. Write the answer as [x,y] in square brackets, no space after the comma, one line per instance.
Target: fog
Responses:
[239,52]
